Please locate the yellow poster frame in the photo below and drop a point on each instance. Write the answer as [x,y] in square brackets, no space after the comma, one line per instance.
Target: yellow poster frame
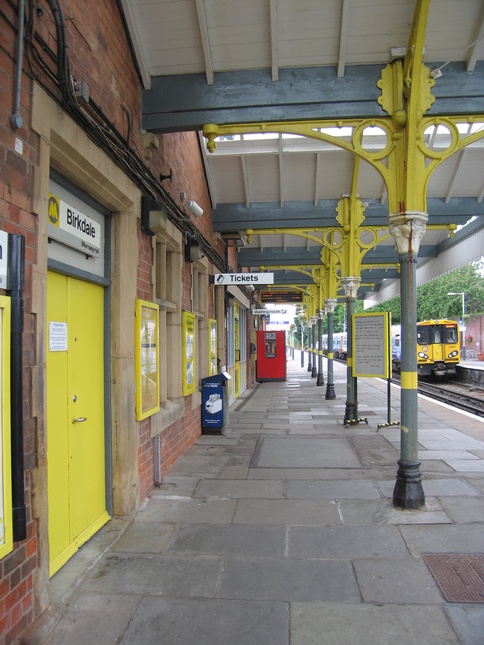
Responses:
[147,398]
[6,526]
[212,347]
[189,353]
[379,321]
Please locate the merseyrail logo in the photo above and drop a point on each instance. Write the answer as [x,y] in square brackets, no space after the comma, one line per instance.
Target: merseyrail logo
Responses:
[54,209]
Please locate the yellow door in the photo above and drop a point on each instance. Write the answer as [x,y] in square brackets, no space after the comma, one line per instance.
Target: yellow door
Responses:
[75,415]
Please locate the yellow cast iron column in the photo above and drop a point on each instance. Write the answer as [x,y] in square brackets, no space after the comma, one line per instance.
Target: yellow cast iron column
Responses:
[407,222]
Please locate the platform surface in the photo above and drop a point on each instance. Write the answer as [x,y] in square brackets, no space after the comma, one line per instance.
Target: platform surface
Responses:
[282,531]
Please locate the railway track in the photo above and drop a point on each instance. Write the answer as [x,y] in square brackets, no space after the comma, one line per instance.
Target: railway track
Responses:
[459,395]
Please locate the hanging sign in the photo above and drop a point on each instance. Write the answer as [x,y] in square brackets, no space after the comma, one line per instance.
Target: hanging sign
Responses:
[240,279]
[276,297]
[268,312]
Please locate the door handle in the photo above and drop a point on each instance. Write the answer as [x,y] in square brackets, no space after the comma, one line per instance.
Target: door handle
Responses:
[79,420]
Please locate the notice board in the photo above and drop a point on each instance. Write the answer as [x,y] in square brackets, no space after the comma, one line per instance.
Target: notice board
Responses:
[370,344]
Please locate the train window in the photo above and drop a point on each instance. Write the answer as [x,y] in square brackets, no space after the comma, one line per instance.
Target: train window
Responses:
[450,335]
[423,335]
[437,335]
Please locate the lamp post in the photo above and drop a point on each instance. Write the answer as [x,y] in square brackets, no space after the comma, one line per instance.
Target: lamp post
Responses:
[461,293]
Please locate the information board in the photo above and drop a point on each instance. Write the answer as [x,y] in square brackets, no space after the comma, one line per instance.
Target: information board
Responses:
[370,345]
[281,296]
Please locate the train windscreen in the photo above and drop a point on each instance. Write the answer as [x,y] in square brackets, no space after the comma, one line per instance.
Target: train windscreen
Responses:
[423,335]
[450,334]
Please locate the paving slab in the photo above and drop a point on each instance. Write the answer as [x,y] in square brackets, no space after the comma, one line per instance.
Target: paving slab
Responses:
[468,621]
[467,538]
[346,542]
[343,624]
[153,574]
[226,489]
[199,465]
[286,511]
[256,541]
[209,622]
[362,512]
[92,617]
[335,489]
[392,581]
[136,539]
[182,486]
[288,580]
[186,509]
[436,488]
[306,453]
[239,472]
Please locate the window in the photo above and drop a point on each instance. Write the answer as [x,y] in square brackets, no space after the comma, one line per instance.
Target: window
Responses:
[167,294]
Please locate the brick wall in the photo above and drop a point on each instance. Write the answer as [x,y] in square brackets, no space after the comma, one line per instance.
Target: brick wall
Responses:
[18,155]
[99,54]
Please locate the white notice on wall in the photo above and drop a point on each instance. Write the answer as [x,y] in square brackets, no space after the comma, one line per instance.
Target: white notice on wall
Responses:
[57,336]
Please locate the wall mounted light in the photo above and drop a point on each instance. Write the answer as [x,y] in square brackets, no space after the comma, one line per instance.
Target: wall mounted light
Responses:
[192,206]
[193,250]
[153,216]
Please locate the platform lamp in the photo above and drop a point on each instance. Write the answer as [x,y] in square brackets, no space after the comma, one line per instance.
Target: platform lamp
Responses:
[461,293]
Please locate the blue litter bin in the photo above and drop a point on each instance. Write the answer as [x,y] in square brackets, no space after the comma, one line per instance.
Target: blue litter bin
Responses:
[213,403]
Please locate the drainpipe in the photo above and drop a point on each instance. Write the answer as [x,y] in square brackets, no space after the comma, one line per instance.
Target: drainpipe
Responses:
[16,120]
[15,288]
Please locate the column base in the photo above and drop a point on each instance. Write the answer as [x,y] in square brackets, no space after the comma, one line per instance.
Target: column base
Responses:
[314,372]
[351,415]
[408,492]
[320,380]
[330,393]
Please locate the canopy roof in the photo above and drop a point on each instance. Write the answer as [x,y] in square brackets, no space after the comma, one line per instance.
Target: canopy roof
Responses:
[227,61]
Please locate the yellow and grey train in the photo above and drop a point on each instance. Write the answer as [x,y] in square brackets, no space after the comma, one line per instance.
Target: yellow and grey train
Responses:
[438,348]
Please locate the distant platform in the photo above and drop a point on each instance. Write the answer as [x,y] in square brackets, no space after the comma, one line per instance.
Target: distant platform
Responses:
[471,371]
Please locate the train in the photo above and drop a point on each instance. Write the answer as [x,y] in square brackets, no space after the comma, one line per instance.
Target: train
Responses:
[438,347]
[340,345]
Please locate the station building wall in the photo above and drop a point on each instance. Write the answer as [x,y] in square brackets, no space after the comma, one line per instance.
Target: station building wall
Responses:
[66,139]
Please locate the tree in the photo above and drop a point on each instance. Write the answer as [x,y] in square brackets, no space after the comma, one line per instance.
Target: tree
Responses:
[433,301]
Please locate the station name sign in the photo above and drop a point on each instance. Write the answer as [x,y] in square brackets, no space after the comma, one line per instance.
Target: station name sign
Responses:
[241,279]
[73,228]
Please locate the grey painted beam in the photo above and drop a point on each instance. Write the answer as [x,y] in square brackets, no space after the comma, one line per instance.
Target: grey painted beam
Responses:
[249,257]
[237,217]
[187,102]
[461,235]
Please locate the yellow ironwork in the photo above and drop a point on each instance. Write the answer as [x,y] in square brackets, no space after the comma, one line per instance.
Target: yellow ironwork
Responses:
[405,162]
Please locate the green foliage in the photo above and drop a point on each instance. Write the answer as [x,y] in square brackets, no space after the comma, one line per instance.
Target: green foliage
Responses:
[433,301]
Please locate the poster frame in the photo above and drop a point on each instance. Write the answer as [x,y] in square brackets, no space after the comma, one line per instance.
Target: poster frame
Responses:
[212,347]
[144,308]
[6,531]
[360,369]
[189,353]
